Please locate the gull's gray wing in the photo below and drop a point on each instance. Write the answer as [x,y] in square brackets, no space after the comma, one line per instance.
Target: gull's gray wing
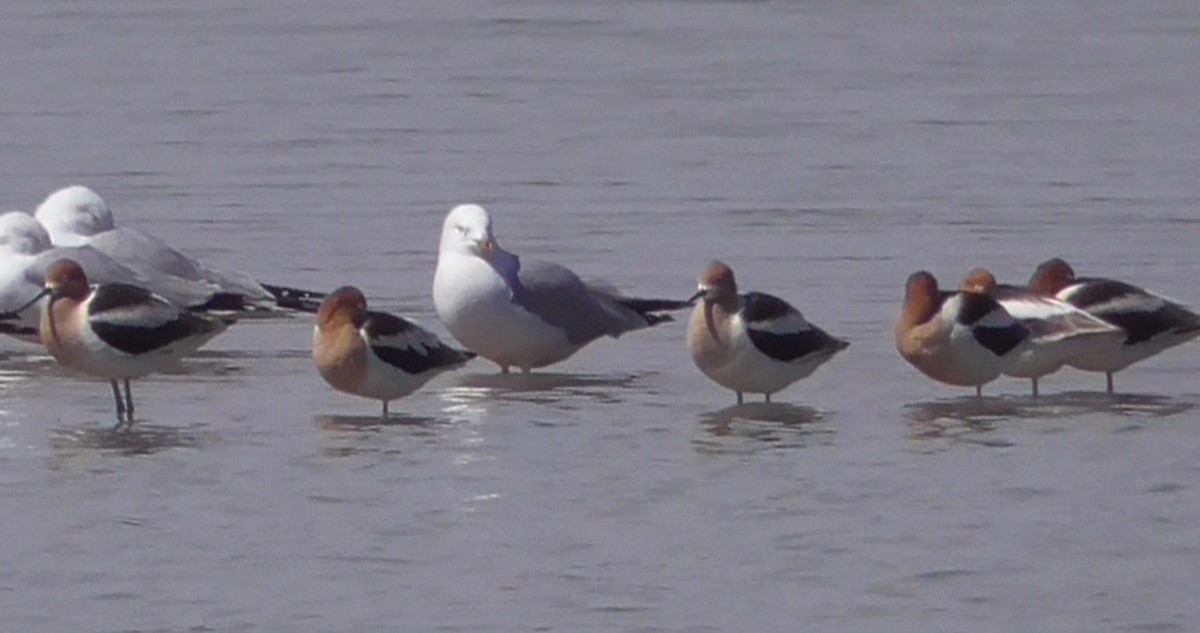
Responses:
[103,269]
[152,255]
[558,297]
[99,268]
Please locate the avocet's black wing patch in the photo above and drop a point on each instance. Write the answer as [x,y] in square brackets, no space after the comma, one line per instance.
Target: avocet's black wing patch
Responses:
[779,331]
[1142,314]
[408,347]
[136,321]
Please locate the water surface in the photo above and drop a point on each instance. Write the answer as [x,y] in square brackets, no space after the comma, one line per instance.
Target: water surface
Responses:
[824,150]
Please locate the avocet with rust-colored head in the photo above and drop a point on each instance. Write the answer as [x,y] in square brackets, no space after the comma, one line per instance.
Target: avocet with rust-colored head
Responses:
[959,338]
[374,354]
[1059,332]
[116,331]
[1150,323]
[752,342]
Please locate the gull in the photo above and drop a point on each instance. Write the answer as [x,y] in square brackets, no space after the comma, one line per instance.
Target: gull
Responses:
[753,342]
[375,354]
[26,252]
[78,216]
[519,312]
[1150,324]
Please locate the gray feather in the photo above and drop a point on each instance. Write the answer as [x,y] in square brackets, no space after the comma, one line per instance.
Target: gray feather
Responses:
[558,297]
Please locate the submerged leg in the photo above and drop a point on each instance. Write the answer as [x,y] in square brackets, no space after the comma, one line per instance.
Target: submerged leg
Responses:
[1035,391]
[739,394]
[128,402]
[120,405]
[1108,375]
[385,411]
[978,391]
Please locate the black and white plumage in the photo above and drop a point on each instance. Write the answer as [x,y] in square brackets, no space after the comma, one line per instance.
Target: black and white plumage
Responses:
[1150,323]
[959,338]
[116,331]
[374,354]
[1058,331]
[755,342]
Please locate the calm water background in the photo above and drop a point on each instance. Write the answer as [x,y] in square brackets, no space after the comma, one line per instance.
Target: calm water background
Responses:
[824,149]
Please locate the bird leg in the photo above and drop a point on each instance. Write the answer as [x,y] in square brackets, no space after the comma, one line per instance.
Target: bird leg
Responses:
[1108,375]
[768,396]
[739,394]
[385,408]
[116,389]
[1035,388]
[128,402]
[978,391]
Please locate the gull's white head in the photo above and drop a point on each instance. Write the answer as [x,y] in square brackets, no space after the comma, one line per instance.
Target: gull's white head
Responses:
[468,230]
[22,234]
[73,215]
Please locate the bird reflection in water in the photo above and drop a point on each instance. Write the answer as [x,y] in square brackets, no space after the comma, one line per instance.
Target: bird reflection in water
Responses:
[968,418]
[766,424]
[140,439]
[547,388]
[353,423]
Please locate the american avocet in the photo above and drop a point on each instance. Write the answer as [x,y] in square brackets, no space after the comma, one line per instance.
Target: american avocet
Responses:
[78,216]
[374,354]
[520,312]
[116,331]
[1058,330]
[959,338]
[1150,323]
[754,342]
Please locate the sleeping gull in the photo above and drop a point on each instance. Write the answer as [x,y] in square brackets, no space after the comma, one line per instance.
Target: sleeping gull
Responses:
[78,216]
[26,252]
[523,313]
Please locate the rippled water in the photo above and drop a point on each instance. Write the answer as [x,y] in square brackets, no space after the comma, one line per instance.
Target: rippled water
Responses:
[825,150]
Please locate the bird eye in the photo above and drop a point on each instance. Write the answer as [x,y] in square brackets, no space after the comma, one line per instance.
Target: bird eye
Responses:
[462,230]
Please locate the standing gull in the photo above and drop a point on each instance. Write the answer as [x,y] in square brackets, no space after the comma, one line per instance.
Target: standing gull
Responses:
[374,354]
[755,342]
[116,331]
[1151,324]
[519,312]
[78,216]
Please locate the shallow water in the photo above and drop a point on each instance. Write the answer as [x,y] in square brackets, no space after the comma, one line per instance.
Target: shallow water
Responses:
[824,150]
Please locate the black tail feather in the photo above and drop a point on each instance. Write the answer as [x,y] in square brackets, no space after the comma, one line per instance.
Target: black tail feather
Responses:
[652,309]
[295,298]
[16,329]
[645,306]
[220,302]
